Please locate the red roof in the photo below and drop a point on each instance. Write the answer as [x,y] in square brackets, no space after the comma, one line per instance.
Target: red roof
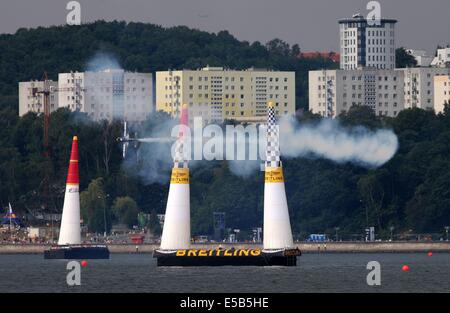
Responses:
[333,56]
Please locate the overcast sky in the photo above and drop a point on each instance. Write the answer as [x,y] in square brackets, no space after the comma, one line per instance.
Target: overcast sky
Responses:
[311,23]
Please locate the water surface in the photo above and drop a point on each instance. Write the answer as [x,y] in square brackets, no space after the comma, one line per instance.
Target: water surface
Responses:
[314,273]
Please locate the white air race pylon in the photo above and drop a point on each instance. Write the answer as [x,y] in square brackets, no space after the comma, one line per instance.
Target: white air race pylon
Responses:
[277,227]
[177,221]
[70,232]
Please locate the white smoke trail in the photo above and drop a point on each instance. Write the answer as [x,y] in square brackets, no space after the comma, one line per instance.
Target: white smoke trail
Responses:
[329,140]
[102,61]
[245,168]
[156,140]
[326,139]
[152,161]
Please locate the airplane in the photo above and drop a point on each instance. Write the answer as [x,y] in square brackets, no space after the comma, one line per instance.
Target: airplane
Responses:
[126,140]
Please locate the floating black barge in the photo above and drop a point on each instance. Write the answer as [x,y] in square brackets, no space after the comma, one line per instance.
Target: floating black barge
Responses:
[77,252]
[227,257]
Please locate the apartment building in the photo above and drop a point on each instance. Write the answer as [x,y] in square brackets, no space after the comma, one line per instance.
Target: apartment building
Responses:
[419,86]
[109,94]
[30,100]
[421,56]
[332,92]
[442,58]
[441,92]
[365,44]
[217,94]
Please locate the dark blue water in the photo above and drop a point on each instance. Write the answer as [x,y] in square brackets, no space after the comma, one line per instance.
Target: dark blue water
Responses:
[314,273]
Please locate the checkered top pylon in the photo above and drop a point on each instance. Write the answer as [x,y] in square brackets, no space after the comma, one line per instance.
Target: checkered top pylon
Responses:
[180,158]
[273,139]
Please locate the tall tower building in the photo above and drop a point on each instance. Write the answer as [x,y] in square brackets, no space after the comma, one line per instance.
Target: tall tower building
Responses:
[367,43]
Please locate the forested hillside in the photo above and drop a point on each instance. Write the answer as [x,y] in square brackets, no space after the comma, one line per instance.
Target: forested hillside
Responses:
[410,193]
[141,47]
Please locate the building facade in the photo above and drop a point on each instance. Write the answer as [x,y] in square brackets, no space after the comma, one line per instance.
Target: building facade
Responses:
[419,86]
[364,44]
[218,94]
[421,56]
[333,92]
[442,58]
[387,92]
[441,92]
[30,101]
[109,94]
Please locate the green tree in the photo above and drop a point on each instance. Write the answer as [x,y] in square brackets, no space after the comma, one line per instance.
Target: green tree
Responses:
[278,47]
[361,115]
[94,208]
[410,191]
[373,195]
[295,50]
[153,224]
[125,211]
[404,59]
